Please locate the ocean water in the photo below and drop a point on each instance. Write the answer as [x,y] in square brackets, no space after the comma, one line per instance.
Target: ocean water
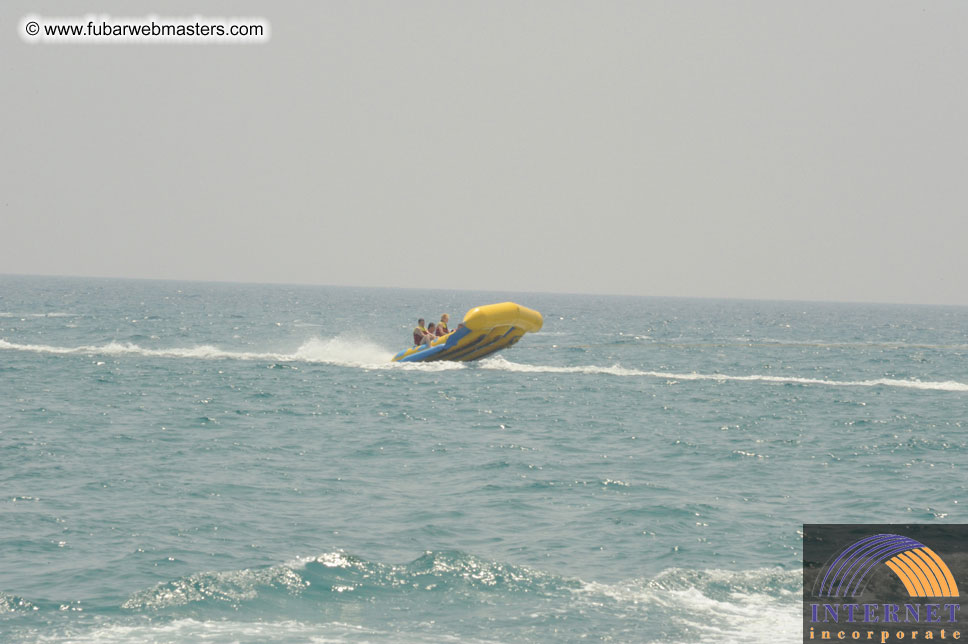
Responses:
[241,463]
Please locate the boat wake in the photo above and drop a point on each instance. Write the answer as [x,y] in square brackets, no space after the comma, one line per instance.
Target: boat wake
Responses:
[501,363]
[364,354]
[339,351]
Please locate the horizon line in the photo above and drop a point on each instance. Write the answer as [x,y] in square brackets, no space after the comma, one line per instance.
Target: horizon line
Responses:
[481,290]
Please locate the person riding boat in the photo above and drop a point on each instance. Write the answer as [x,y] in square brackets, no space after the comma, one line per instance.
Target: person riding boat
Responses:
[419,332]
[431,334]
[442,325]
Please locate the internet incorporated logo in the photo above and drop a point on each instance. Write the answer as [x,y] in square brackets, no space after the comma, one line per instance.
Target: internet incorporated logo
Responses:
[922,572]
[883,583]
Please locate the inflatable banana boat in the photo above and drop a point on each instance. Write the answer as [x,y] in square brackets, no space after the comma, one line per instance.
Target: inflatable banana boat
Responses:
[485,329]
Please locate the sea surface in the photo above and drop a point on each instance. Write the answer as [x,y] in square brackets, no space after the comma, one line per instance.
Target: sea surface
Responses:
[241,463]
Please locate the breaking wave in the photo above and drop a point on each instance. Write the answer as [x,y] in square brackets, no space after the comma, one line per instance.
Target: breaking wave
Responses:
[12,604]
[692,605]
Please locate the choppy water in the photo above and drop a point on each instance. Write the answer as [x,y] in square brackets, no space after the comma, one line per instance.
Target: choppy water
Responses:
[184,462]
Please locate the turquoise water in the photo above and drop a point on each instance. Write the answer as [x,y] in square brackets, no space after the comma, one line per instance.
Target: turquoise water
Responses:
[217,462]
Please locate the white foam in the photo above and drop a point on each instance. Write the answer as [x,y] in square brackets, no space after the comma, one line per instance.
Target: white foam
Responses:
[745,617]
[341,351]
[183,630]
[361,353]
[751,611]
[502,363]
[239,632]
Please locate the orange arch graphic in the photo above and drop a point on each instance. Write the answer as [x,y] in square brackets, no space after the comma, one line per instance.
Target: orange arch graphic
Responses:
[923,573]
[902,574]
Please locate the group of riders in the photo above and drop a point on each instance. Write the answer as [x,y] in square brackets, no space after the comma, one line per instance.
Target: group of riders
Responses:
[426,335]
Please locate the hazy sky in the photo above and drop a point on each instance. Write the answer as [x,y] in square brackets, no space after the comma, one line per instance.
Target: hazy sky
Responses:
[725,149]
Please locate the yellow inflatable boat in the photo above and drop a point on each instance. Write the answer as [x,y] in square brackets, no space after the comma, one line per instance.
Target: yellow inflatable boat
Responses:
[485,329]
